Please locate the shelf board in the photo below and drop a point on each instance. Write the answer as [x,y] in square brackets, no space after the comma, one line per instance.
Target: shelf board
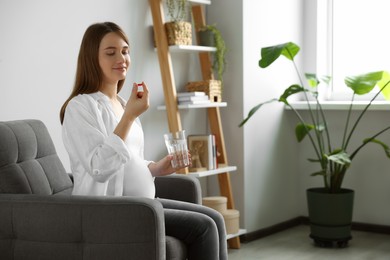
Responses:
[191,48]
[240,232]
[211,104]
[213,172]
[203,2]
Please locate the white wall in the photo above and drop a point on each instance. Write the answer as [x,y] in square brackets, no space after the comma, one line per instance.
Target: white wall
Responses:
[270,151]
[265,184]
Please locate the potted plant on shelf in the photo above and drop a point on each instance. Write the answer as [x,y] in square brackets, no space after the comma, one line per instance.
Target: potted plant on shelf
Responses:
[179,31]
[210,35]
[324,203]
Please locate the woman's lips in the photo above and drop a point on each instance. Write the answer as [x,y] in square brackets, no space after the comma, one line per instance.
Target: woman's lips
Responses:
[121,69]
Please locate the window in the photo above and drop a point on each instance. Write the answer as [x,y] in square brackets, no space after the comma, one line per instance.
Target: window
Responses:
[353,37]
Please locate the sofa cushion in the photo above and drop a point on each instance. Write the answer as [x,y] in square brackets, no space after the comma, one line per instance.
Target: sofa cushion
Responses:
[80,227]
[28,160]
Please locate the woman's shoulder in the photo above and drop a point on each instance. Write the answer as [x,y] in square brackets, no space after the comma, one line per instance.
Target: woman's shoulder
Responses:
[85,98]
[83,106]
[88,102]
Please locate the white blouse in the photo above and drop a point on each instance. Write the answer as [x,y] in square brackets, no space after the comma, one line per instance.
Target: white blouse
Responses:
[101,162]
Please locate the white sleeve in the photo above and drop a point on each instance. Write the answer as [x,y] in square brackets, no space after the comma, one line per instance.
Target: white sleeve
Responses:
[100,153]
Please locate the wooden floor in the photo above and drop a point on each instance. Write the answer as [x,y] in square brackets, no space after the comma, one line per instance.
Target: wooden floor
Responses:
[295,243]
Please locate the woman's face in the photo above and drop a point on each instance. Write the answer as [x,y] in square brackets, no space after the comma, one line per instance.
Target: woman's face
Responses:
[114,58]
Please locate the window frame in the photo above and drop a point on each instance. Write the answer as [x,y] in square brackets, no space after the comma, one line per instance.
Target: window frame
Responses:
[336,91]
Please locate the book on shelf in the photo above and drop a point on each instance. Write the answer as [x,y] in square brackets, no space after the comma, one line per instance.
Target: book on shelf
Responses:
[191,94]
[203,152]
[192,98]
[194,102]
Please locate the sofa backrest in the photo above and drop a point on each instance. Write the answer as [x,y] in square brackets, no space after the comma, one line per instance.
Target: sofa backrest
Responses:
[29,163]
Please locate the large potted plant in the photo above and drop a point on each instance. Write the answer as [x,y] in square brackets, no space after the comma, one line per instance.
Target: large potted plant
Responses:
[324,203]
[178,30]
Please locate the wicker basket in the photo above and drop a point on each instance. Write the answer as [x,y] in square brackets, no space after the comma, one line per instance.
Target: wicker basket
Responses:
[231,216]
[216,202]
[179,33]
[212,88]
[232,221]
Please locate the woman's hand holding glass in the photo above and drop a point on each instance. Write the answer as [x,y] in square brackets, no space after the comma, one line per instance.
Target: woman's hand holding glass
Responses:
[164,166]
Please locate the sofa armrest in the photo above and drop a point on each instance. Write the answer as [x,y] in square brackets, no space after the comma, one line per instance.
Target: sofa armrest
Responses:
[179,187]
[75,227]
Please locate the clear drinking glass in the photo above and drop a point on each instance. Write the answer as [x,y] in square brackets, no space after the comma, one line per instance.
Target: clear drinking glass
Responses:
[177,146]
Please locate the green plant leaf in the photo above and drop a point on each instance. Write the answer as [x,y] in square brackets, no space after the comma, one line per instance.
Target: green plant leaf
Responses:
[319,173]
[384,82]
[312,79]
[340,157]
[291,90]
[385,146]
[301,130]
[363,84]
[272,53]
[254,109]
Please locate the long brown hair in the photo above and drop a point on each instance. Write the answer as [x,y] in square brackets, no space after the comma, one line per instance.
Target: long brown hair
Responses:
[89,75]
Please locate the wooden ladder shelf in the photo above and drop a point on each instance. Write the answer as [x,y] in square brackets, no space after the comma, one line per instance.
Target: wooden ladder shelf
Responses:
[168,82]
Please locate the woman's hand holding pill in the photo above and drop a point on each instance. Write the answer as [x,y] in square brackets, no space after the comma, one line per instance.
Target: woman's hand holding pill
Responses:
[138,101]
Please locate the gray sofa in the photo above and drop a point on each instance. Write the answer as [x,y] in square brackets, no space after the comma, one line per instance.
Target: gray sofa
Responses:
[39,219]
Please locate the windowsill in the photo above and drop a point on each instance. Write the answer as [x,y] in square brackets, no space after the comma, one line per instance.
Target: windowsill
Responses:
[342,105]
